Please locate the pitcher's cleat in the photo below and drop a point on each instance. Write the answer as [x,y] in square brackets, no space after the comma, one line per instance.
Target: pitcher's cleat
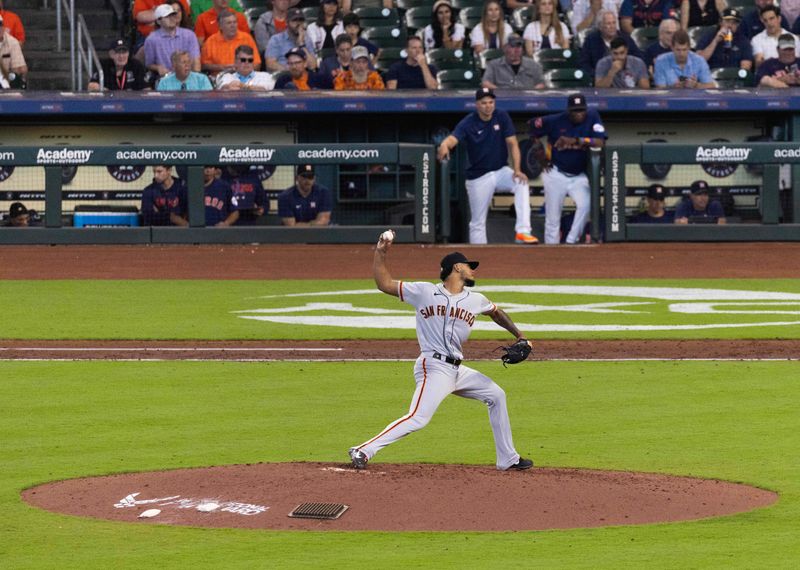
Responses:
[525,237]
[357,458]
[522,464]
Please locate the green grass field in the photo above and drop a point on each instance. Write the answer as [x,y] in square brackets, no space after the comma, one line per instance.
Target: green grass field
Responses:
[730,420]
[145,309]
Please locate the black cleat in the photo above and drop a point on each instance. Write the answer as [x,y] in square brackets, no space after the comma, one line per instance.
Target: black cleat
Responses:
[522,464]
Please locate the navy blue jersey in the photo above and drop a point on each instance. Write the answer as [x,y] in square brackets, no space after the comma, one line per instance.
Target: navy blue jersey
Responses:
[645,218]
[685,209]
[158,203]
[247,194]
[774,67]
[217,201]
[408,76]
[487,149]
[569,161]
[292,205]
[727,57]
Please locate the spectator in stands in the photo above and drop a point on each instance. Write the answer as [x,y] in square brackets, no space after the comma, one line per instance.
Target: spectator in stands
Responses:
[294,36]
[790,10]
[492,31]
[244,77]
[270,23]
[169,38]
[164,201]
[621,70]
[333,65]
[752,24]
[327,27]
[701,12]
[783,71]
[13,68]
[682,68]
[207,23]
[698,208]
[644,13]
[513,70]
[184,18]
[306,203]
[444,31]
[413,72]
[586,13]
[726,46]
[12,23]
[655,212]
[298,76]
[352,27]
[765,44]
[144,12]
[359,77]
[18,216]
[247,193]
[597,43]
[219,50]
[217,197]
[545,30]
[182,77]
[666,29]
[120,71]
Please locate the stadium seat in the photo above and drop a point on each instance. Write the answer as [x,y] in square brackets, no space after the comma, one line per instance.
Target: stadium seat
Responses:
[556,58]
[408,4]
[461,4]
[418,18]
[697,32]
[374,17]
[470,16]
[388,56]
[444,58]
[488,55]
[458,79]
[247,4]
[310,13]
[645,37]
[520,18]
[566,78]
[253,14]
[732,77]
[366,4]
[325,52]
[386,36]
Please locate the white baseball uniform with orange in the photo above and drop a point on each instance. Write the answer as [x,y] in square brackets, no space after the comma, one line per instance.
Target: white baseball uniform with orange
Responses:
[444,322]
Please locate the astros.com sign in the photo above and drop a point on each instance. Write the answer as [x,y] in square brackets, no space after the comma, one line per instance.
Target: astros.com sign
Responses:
[722,154]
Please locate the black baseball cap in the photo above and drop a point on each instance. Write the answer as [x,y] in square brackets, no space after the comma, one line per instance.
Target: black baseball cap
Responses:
[699,187]
[484,92]
[305,170]
[16,210]
[118,45]
[295,14]
[576,102]
[732,14]
[298,51]
[449,260]
[656,191]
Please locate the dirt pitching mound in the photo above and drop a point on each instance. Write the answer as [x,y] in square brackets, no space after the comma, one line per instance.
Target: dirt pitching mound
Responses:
[394,497]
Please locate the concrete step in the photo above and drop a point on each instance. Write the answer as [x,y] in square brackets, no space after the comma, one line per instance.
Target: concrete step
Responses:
[36,19]
[46,60]
[49,81]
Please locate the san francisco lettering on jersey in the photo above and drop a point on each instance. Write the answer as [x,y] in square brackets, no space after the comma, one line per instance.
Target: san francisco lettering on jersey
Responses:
[441,311]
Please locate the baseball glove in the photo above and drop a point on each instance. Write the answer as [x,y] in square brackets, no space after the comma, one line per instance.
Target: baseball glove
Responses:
[515,353]
[540,154]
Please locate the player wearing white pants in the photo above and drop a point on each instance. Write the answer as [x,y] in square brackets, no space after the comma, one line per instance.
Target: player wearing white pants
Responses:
[557,186]
[445,314]
[480,192]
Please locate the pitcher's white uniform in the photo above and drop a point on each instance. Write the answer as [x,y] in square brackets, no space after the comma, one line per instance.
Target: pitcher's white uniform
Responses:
[444,321]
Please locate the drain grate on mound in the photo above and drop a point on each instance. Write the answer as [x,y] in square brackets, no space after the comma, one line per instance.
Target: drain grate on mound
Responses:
[325,511]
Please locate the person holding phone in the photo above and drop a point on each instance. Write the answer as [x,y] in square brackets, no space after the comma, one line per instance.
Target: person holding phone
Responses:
[681,68]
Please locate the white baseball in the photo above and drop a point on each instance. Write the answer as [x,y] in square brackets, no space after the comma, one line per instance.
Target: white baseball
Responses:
[388,235]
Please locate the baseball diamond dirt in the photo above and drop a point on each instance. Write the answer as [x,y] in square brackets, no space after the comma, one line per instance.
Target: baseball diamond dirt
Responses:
[388,496]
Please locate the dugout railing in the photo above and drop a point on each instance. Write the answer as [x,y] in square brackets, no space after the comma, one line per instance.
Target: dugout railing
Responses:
[771,206]
[420,158]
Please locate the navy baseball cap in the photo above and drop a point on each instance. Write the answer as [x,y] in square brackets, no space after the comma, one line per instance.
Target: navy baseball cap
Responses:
[656,192]
[295,14]
[576,102]
[699,187]
[118,45]
[305,170]
[484,92]
[17,209]
[298,51]
[449,260]
[732,14]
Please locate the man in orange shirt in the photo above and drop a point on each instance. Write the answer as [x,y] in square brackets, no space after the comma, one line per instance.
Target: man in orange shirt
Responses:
[298,77]
[219,50]
[359,77]
[12,23]
[144,12]
[208,22]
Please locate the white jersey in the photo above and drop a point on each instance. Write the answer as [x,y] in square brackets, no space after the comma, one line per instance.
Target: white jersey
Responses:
[444,320]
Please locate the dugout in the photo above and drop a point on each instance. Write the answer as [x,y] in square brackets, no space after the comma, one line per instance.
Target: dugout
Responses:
[368,195]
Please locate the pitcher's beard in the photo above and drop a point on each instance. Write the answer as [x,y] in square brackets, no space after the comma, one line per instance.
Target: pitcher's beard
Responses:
[469,282]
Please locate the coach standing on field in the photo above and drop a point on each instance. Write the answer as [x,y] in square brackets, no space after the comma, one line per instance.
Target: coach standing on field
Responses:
[489,136]
[570,135]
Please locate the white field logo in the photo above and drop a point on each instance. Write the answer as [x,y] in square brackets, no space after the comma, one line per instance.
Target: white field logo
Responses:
[681,301]
[722,154]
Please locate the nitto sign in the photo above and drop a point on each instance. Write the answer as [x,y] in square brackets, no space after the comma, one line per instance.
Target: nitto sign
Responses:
[63,156]
[722,154]
[246,154]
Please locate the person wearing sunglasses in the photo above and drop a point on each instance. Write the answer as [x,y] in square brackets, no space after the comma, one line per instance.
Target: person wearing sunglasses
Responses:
[244,77]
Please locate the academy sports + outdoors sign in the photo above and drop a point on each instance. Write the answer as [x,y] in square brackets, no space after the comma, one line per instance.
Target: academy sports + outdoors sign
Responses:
[745,153]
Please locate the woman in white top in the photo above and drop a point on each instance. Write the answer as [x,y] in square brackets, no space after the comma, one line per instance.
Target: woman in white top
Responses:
[443,31]
[492,31]
[324,31]
[545,30]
